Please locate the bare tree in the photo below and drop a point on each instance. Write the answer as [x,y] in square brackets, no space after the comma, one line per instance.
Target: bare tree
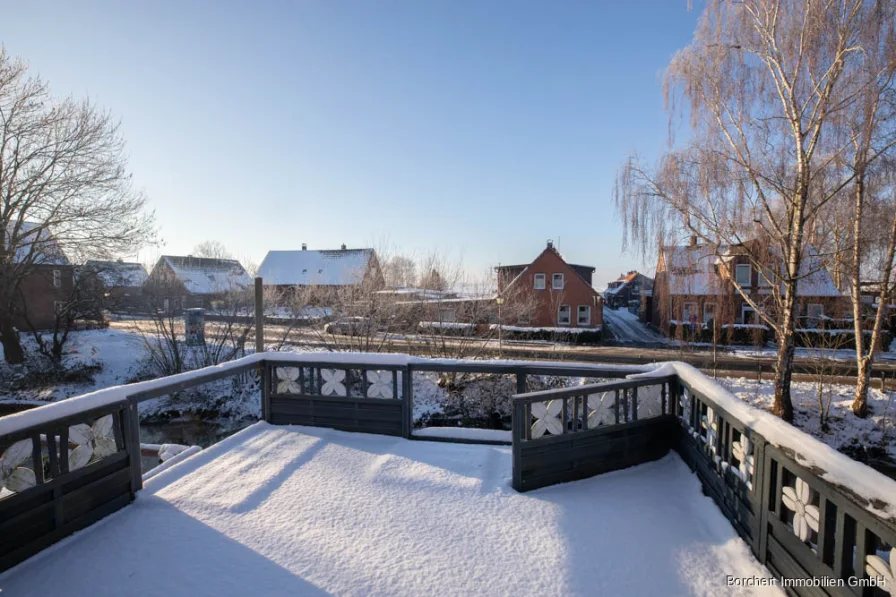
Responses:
[64,186]
[400,272]
[212,249]
[763,82]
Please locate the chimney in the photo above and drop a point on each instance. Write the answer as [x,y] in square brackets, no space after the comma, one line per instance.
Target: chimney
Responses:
[550,244]
[304,246]
[694,240]
[343,246]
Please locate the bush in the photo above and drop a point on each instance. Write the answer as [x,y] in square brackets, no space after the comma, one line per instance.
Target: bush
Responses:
[735,335]
[843,339]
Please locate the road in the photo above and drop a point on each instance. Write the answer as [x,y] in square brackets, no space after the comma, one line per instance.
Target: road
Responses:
[723,363]
[627,329]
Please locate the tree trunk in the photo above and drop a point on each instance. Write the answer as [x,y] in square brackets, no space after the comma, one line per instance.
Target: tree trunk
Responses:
[12,346]
[860,403]
[783,407]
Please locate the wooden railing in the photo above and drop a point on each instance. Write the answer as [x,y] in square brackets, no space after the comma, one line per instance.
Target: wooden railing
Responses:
[68,464]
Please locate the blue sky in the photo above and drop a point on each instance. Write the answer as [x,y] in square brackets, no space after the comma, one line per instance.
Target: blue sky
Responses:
[474,128]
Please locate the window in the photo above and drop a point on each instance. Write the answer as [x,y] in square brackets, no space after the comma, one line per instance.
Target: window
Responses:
[57,278]
[523,319]
[689,313]
[743,274]
[58,307]
[814,314]
[539,281]
[748,315]
[709,312]
[766,276]
[563,315]
[447,316]
[584,317]
[557,282]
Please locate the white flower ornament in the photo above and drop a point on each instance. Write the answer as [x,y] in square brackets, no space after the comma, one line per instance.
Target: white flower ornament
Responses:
[333,382]
[289,380]
[93,441]
[876,566]
[805,515]
[599,413]
[685,408]
[710,422]
[547,416]
[14,476]
[742,450]
[380,384]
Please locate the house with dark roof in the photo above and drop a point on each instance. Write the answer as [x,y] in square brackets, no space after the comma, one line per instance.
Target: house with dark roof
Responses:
[695,286]
[560,292]
[626,290]
[178,282]
[32,254]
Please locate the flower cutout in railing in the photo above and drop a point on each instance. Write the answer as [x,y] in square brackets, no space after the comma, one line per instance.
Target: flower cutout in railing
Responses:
[288,380]
[805,516]
[380,384]
[710,424]
[93,442]
[333,382]
[685,407]
[600,410]
[742,449]
[547,415]
[14,476]
[877,567]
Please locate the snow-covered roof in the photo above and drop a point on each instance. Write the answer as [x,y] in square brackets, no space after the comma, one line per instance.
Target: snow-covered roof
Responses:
[343,267]
[691,271]
[117,273]
[33,244]
[207,276]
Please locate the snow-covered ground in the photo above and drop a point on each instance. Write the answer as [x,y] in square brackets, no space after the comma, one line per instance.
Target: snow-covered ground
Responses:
[302,511]
[844,428]
[626,327]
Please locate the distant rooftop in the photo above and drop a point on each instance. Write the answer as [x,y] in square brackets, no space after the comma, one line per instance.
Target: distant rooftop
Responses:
[339,267]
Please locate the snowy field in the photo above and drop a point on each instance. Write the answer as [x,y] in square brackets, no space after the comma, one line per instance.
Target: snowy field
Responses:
[302,511]
[844,428]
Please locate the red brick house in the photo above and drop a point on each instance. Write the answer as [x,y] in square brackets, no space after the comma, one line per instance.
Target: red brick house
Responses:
[48,280]
[550,293]
[694,286]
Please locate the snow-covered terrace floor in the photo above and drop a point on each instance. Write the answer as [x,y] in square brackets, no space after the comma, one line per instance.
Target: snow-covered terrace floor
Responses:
[310,511]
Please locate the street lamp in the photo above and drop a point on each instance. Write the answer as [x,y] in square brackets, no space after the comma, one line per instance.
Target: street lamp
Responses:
[500,301]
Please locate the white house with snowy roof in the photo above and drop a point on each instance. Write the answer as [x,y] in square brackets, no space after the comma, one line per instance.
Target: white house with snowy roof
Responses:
[696,285]
[306,268]
[178,282]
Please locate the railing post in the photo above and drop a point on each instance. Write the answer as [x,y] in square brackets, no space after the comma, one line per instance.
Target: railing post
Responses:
[407,384]
[132,442]
[518,427]
[266,371]
[521,382]
[259,315]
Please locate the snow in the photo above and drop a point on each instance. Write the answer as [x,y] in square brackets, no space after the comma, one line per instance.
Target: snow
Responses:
[302,511]
[626,327]
[208,276]
[171,461]
[115,274]
[551,330]
[833,466]
[494,435]
[46,251]
[320,268]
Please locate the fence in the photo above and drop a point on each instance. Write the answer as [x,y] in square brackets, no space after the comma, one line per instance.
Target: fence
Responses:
[68,464]
[796,523]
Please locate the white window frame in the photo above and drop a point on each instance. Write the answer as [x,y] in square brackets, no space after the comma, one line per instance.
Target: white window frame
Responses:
[543,278]
[705,305]
[568,315]
[587,321]
[58,307]
[737,268]
[57,278]
[743,311]
[684,309]
[810,317]
[767,273]
[554,278]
